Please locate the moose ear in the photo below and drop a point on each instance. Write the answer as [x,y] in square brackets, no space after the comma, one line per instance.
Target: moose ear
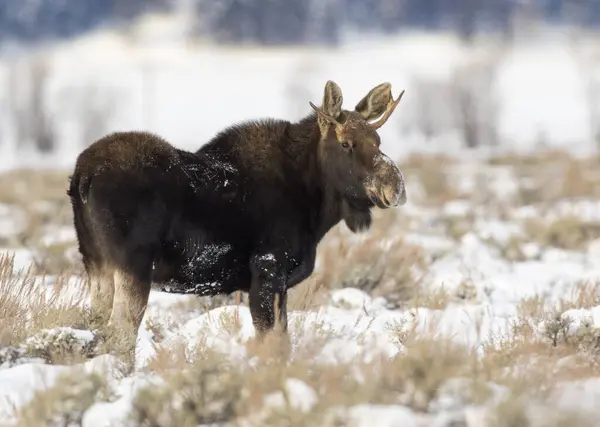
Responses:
[332,99]
[375,102]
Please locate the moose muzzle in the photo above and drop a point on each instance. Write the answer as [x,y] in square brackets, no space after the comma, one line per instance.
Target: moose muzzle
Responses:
[386,188]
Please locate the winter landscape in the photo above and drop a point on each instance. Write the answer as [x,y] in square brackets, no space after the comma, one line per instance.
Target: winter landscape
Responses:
[475,304]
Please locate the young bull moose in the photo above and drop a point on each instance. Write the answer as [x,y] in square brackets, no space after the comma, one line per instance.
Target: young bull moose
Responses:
[245,212]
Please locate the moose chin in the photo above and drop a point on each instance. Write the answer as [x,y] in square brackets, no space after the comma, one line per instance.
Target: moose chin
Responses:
[243,213]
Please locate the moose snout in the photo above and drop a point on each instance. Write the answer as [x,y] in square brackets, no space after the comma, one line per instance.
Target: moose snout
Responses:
[385,187]
[394,195]
[392,191]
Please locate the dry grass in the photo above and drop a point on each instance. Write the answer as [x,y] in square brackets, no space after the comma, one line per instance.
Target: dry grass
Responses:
[530,364]
[516,410]
[541,350]
[379,263]
[30,314]
[568,232]
[206,393]
[428,369]
[26,307]
[40,199]
[432,174]
[28,187]
[435,298]
[65,403]
[548,176]
[211,391]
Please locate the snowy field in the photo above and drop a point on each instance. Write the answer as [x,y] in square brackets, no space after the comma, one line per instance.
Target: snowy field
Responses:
[476,304]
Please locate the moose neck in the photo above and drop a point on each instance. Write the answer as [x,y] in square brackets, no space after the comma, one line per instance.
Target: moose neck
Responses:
[308,158]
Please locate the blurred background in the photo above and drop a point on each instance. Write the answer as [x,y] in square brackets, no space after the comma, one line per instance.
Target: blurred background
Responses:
[480,75]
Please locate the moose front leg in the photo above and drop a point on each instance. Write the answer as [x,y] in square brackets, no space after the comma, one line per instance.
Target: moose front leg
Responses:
[268,295]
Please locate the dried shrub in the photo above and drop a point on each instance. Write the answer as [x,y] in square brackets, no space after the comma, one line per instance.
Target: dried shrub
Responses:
[393,269]
[65,402]
[516,409]
[59,346]
[542,348]
[26,307]
[569,233]
[415,377]
[209,392]
[548,176]
[432,174]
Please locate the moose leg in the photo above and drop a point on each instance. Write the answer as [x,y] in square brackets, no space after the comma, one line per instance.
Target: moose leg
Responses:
[102,291]
[268,307]
[268,295]
[281,318]
[132,289]
[131,298]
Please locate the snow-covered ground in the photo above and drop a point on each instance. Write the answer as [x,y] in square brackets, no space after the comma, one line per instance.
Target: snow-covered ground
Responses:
[486,268]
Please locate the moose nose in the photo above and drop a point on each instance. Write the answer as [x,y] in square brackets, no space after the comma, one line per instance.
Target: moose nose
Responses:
[391,191]
[394,196]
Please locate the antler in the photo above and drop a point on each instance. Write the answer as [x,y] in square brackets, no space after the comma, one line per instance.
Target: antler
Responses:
[388,112]
[324,115]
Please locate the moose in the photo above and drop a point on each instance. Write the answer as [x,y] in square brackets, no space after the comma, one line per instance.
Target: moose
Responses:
[243,213]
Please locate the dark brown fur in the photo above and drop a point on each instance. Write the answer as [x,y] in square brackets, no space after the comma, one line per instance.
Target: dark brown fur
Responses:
[245,212]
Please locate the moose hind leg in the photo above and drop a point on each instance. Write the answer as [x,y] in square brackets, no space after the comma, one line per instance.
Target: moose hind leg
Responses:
[102,292]
[132,289]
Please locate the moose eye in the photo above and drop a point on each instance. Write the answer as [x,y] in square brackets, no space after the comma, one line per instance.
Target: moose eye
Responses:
[345,144]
